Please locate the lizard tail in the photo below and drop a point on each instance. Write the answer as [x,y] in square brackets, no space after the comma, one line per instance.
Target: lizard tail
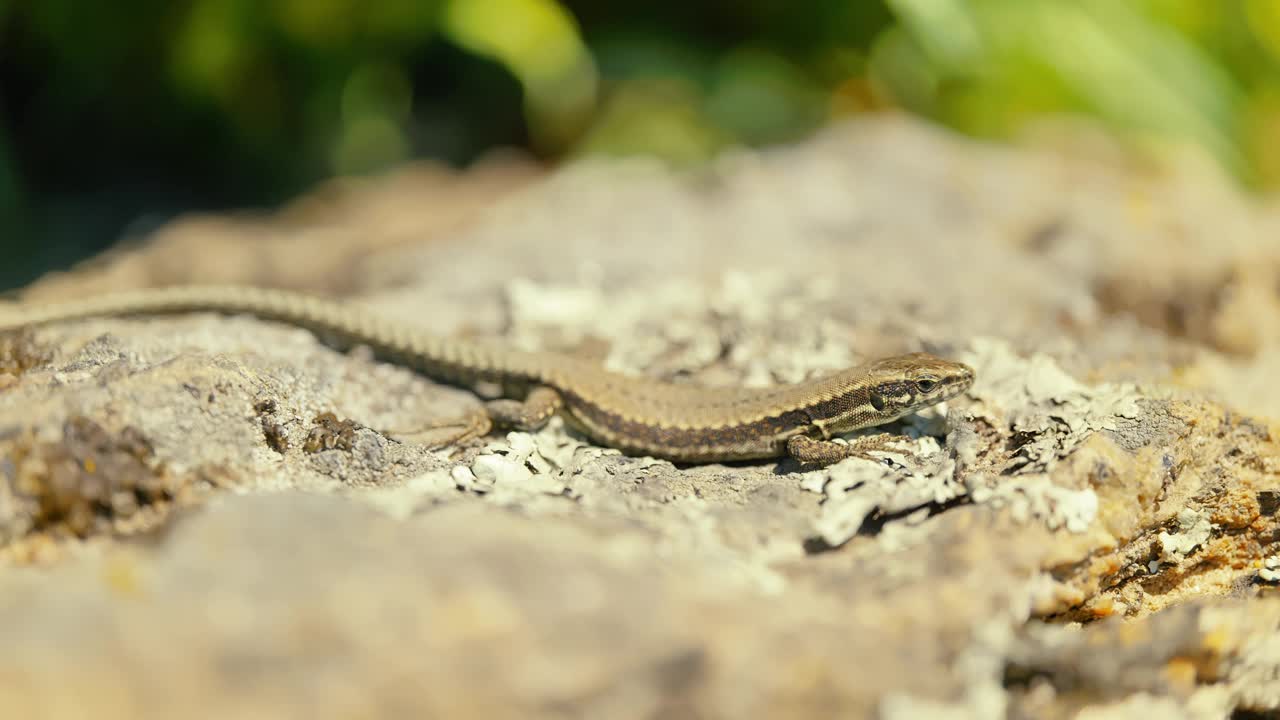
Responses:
[336,322]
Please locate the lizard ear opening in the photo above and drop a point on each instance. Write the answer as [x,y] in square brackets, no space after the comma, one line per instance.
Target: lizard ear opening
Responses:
[877,400]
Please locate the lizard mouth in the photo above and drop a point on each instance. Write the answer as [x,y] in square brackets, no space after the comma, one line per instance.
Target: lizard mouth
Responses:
[956,382]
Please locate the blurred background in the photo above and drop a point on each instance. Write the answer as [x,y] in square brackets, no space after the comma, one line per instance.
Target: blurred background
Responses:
[117,116]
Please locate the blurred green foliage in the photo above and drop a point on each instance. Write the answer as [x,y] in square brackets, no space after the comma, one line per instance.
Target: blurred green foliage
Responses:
[113,113]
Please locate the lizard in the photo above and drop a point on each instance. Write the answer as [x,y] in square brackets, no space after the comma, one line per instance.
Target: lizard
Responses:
[679,422]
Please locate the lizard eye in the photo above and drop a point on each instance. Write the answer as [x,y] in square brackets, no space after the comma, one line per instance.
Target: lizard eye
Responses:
[926,385]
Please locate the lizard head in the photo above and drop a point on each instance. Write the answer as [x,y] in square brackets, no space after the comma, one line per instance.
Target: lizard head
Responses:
[887,389]
[906,383]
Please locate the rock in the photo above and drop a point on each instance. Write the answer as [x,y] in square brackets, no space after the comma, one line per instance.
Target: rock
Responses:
[248,523]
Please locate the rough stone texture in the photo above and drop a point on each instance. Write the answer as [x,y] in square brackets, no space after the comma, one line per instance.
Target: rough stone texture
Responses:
[205,516]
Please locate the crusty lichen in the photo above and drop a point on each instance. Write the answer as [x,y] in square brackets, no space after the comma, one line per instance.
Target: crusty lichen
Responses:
[90,481]
[19,352]
[1192,531]
[1176,521]
[330,433]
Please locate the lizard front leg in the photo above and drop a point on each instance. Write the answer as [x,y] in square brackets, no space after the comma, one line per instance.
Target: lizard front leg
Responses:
[825,452]
[529,414]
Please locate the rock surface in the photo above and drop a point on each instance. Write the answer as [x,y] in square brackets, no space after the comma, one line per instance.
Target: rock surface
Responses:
[207,516]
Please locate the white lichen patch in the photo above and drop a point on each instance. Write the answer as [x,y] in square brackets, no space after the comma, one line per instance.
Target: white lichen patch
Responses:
[930,421]
[1270,570]
[1049,412]
[754,329]
[1194,529]
[526,463]
[856,487]
[514,469]
[404,500]
[700,532]
[1036,497]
